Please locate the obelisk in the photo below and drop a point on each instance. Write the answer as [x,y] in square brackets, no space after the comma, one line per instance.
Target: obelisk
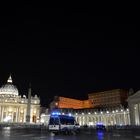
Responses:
[29,105]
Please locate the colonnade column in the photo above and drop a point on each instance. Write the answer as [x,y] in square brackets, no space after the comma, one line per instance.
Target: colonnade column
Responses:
[139,113]
[0,113]
[2,110]
[24,120]
[125,119]
[17,114]
[132,114]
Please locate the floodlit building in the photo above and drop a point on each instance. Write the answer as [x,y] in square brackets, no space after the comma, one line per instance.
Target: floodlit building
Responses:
[63,102]
[109,98]
[15,108]
[134,107]
[109,107]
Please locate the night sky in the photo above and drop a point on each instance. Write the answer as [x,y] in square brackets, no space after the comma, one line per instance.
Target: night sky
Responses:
[68,52]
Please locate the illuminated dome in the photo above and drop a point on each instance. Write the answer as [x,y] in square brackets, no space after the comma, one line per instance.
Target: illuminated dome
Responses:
[9,88]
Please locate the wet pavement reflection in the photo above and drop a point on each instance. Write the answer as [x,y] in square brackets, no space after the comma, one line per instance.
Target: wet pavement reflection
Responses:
[21,134]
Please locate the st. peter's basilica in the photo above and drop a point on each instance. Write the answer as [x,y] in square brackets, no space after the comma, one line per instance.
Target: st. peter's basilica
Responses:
[17,108]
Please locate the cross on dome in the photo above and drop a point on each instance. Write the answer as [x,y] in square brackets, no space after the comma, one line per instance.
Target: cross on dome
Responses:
[9,79]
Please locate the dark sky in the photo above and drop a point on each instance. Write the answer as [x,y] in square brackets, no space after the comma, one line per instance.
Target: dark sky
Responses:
[68,52]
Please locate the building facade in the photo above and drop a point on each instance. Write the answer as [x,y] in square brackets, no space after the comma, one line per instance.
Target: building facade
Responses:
[110,98]
[134,106]
[63,102]
[13,107]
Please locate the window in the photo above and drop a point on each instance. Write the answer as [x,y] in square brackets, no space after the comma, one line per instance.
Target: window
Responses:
[54,121]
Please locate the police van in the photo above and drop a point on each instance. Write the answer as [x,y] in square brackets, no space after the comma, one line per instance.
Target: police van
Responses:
[62,123]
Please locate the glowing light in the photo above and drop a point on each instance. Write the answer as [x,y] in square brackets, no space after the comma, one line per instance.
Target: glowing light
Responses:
[34,111]
[127,109]
[6,119]
[63,113]
[116,110]
[10,110]
[113,111]
[82,113]
[89,113]
[76,113]
[100,135]
[95,113]
[22,101]
[42,121]
[9,79]
[99,123]
[107,112]
[69,114]
[56,113]
[101,112]
[121,110]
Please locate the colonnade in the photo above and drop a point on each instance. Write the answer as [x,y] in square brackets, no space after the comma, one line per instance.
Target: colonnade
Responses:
[120,118]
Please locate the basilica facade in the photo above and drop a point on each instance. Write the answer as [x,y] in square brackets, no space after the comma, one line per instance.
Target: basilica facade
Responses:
[16,108]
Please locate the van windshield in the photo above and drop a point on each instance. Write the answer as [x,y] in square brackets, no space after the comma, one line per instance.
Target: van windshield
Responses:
[64,120]
[54,121]
[67,121]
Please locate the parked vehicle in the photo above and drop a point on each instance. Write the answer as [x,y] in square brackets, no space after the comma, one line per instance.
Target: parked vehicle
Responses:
[62,124]
[100,126]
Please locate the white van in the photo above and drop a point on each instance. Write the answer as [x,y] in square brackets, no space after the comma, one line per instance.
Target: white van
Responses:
[62,123]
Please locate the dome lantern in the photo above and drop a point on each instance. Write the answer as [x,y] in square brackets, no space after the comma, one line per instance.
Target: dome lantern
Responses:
[9,79]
